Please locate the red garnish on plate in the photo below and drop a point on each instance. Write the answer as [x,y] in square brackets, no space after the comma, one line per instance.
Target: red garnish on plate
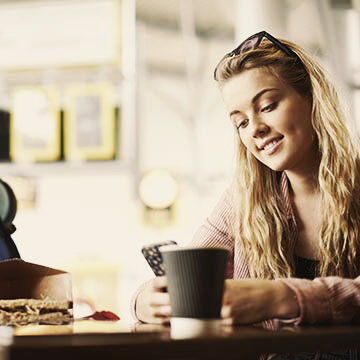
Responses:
[103,315]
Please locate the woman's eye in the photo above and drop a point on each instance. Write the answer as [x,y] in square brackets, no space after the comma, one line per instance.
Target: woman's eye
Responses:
[269,107]
[242,124]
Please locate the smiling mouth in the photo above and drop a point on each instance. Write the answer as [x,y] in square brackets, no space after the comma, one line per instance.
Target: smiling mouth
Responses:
[271,145]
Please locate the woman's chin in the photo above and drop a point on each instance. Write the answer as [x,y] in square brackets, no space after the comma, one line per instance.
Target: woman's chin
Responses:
[275,166]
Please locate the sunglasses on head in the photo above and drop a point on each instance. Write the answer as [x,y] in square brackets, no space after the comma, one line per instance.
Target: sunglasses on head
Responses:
[252,42]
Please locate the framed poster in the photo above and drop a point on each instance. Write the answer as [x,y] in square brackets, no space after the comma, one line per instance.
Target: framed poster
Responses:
[89,122]
[34,124]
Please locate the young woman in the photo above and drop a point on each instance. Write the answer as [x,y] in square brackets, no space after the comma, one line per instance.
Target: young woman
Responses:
[291,218]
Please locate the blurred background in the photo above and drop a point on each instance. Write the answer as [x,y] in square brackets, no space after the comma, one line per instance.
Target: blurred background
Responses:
[113,132]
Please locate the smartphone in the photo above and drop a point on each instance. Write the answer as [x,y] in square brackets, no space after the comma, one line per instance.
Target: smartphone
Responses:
[154,258]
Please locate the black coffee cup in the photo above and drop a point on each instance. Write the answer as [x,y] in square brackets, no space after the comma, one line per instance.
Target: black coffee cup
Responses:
[195,284]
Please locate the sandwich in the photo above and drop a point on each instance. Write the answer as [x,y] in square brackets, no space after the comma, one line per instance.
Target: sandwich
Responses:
[41,311]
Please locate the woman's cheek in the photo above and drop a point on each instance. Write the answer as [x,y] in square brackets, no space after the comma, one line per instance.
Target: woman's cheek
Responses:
[246,142]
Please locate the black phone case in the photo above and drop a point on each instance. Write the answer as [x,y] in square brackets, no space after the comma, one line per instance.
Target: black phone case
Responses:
[153,256]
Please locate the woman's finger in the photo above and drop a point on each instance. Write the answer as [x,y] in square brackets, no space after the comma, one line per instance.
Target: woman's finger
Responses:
[159,320]
[162,311]
[227,291]
[159,283]
[225,311]
[165,321]
[228,321]
[158,299]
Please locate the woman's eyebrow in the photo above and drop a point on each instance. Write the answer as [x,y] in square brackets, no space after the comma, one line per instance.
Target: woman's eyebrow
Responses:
[260,93]
[255,98]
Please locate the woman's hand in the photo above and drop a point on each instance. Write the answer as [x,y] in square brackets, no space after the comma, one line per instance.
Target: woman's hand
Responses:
[252,301]
[153,303]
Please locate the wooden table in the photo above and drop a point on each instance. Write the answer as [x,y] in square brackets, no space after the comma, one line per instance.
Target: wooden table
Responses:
[154,342]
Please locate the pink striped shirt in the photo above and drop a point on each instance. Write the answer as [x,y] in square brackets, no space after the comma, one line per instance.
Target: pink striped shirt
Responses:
[332,299]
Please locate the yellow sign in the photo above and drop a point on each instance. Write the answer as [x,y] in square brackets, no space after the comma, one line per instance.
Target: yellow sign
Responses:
[89,122]
[34,124]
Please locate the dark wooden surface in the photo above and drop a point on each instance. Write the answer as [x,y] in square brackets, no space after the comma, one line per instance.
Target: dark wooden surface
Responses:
[154,342]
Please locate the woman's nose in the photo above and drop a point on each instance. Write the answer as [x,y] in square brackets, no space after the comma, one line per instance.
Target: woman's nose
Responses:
[260,129]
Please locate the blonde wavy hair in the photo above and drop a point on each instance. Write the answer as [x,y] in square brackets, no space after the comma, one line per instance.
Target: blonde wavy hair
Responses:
[261,224]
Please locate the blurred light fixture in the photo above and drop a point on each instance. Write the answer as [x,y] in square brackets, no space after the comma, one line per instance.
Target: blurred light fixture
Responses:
[158,189]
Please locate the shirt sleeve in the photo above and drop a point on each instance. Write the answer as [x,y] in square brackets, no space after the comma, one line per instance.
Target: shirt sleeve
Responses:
[333,299]
[216,230]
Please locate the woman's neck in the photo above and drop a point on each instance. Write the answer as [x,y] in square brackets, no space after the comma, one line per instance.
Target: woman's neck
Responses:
[304,185]
[304,182]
